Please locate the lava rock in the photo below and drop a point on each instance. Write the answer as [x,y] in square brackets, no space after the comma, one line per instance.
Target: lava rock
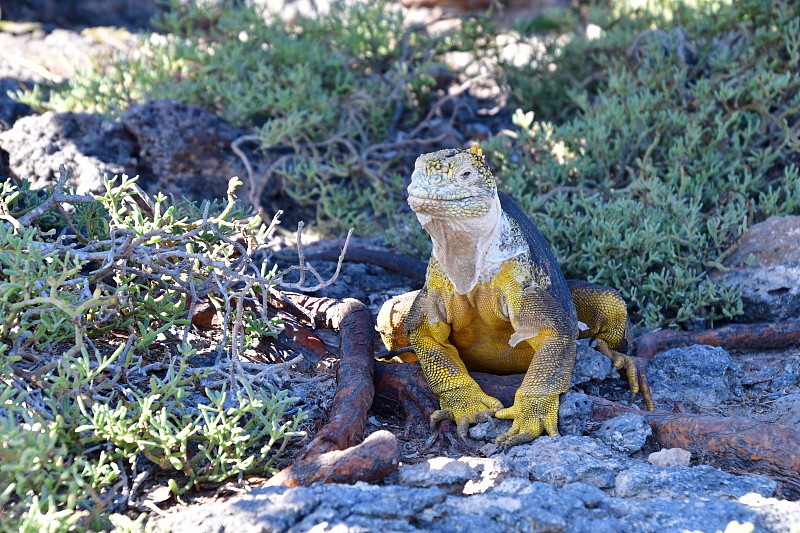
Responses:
[703,375]
[489,430]
[626,433]
[574,413]
[562,460]
[789,376]
[770,284]
[436,472]
[183,150]
[589,365]
[786,410]
[86,144]
[175,149]
[647,481]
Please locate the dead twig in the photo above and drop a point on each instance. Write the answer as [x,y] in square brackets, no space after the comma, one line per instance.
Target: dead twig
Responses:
[769,335]
[322,459]
[302,267]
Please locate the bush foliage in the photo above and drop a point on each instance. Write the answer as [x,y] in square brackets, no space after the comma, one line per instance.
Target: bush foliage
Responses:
[685,136]
[100,379]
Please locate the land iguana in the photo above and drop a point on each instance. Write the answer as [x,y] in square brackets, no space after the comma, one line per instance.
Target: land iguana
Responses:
[495,301]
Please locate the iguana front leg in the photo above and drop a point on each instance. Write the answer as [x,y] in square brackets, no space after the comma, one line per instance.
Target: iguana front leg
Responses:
[536,319]
[460,397]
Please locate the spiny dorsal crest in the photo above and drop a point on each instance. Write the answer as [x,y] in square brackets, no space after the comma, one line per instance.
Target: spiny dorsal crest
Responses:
[480,163]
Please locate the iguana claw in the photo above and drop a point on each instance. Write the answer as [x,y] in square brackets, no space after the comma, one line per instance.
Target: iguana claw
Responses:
[637,378]
[532,415]
[465,409]
[634,372]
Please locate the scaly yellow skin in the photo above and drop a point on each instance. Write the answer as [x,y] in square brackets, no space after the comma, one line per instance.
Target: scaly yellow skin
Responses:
[495,301]
[603,311]
[472,332]
[512,317]
[600,308]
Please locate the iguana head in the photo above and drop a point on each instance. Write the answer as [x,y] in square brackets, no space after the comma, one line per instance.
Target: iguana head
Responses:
[455,198]
[452,184]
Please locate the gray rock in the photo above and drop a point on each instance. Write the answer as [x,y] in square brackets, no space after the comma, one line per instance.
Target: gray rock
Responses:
[562,460]
[436,472]
[492,512]
[661,514]
[87,144]
[789,376]
[174,148]
[266,509]
[702,375]
[680,482]
[670,457]
[761,380]
[589,365]
[771,284]
[786,410]
[513,504]
[626,433]
[489,430]
[574,413]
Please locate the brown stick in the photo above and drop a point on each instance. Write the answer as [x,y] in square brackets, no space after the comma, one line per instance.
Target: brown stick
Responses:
[321,460]
[372,460]
[401,389]
[295,337]
[742,336]
[354,389]
[734,444]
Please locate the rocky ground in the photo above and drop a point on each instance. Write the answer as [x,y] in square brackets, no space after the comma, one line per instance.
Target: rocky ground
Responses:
[608,477]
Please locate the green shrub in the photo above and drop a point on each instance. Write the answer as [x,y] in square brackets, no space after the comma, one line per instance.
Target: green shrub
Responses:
[82,412]
[686,136]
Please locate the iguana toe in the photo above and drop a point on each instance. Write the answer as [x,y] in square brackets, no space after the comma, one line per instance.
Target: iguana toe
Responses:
[634,372]
[532,415]
[628,365]
[465,409]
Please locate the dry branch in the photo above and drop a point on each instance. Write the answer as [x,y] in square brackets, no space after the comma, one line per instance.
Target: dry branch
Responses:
[322,459]
[771,335]
[372,460]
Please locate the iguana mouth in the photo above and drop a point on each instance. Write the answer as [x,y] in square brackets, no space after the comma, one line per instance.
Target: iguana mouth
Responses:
[438,198]
[432,205]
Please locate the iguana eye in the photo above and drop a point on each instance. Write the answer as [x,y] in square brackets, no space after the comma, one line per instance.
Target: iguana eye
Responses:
[466,174]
